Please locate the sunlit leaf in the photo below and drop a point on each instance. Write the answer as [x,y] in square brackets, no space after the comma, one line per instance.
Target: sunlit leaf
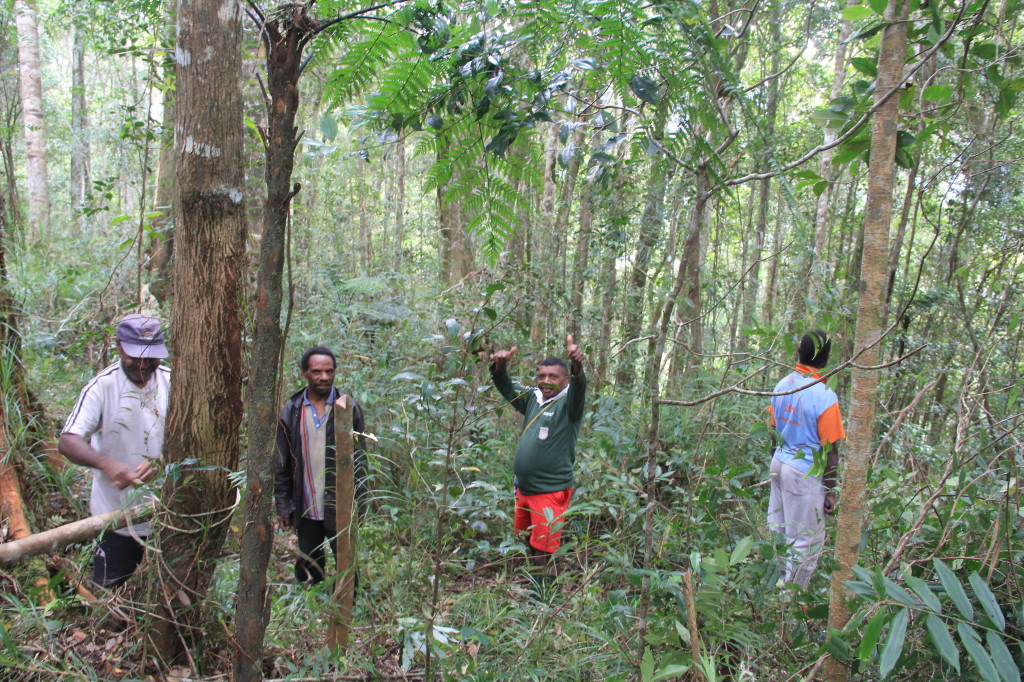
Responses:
[857,12]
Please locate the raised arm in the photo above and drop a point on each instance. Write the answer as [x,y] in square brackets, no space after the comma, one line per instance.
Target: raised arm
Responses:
[515,394]
[577,380]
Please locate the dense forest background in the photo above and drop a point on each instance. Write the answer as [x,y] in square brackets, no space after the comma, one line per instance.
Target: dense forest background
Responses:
[685,187]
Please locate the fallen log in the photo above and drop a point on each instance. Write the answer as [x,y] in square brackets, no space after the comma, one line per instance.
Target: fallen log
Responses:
[70,533]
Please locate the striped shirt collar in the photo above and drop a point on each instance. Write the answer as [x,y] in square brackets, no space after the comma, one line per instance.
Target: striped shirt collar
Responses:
[319,421]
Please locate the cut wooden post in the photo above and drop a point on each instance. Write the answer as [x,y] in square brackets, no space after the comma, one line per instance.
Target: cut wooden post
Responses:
[345,524]
[70,533]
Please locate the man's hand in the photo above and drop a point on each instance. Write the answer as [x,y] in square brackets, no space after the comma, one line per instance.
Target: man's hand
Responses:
[146,470]
[830,503]
[575,355]
[122,475]
[500,358]
[284,521]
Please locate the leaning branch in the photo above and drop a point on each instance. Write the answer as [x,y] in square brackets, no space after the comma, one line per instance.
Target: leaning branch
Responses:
[69,534]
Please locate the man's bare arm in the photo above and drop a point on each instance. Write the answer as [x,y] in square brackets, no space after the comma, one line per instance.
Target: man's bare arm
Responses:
[78,451]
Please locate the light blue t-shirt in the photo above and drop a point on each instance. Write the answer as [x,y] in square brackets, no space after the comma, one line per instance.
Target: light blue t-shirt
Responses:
[805,419]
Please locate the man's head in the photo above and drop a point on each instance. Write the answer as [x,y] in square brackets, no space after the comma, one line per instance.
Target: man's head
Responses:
[318,365]
[814,349]
[552,377]
[140,344]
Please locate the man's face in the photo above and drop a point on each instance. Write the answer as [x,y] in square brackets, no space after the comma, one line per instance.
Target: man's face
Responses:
[551,380]
[320,375]
[138,370]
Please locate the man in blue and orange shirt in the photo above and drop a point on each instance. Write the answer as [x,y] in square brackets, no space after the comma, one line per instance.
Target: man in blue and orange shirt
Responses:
[807,417]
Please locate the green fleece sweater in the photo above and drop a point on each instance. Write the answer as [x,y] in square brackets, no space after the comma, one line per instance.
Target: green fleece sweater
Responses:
[547,447]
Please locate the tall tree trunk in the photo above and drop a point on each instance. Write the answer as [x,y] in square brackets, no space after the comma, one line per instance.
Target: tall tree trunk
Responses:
[365,238]
[545,251]
[79,126]
[32,113]
[161,246]
[821,224]
[652,222]
[456,247]
[691,260]
[581,257]
[284,38]
[399,200]
[853,506]
[205,403]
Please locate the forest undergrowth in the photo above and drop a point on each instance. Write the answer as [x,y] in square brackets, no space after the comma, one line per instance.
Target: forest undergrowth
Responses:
[444,452]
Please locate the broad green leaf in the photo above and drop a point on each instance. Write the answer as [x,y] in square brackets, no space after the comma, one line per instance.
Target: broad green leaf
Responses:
[819,187]
[645,89]
[954,589]
[1002,657]
[741,551]
[669,671]
[647,665]
[984,50]
[866,65]
[897,593]
[866,649]
[836,645]
[987,600]
[1017,84]
[1005,102]
[408,376]
[936,92]
[893,643]
[842,104]
[905,138]
[879,6]
[943,641]
[328,126]
[971,642]
[922,590]
[823,116]
[856,12]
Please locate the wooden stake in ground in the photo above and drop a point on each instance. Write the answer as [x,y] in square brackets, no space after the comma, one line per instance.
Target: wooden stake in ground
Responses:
[345,523]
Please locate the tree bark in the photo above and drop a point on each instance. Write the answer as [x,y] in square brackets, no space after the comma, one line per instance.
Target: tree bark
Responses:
[652,222]
[205,403]
[31,87]
[456,246]
[399,200]
[284,37]
[853,505]
[821,224]
[79,126]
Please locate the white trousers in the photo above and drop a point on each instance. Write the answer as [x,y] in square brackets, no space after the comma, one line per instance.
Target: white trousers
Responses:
[796,510]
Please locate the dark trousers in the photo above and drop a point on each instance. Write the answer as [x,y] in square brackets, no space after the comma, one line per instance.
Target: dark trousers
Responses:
[311,564]
[116,558]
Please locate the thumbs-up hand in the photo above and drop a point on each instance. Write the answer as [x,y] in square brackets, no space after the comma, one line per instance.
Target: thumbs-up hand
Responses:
[500,358]
[575,355]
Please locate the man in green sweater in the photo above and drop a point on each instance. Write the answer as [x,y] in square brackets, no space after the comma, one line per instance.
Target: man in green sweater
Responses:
[552,415]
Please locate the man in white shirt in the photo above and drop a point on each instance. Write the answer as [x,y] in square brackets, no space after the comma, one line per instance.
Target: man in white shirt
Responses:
[117,429]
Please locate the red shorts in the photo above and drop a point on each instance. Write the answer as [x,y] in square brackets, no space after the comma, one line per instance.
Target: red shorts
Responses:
[541,515]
